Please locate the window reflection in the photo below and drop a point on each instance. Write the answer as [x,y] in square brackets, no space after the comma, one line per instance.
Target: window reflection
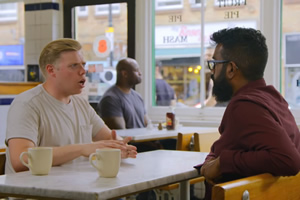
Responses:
[290,73]
[178,42]
[103,34]
[12,42]
[82,11]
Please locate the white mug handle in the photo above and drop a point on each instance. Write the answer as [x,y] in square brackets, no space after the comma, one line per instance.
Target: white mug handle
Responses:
[21,158]
[92,155]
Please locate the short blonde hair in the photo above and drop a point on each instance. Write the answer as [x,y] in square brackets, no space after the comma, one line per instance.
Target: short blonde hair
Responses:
[52,51]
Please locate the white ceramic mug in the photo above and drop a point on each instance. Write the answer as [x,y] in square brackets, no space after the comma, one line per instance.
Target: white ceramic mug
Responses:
[106,161]
[39,160]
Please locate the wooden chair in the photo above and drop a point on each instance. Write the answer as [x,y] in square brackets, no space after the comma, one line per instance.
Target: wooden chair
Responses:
[259,187]
[188,142]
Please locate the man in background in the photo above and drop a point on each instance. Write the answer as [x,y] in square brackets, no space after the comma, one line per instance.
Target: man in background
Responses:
[121,107]
[165,95]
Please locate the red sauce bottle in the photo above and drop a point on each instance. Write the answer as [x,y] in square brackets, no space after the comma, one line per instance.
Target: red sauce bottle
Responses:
[170,120]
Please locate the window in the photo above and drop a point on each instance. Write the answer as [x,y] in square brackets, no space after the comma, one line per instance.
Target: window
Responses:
[182,54]
[12,42]
[8,12]
[291,1]
[290,71]
[82,11]
[168,4]
[103,46]
[178,54]
[104,9]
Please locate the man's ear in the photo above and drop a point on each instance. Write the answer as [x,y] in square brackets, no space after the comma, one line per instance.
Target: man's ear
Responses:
[231,70]
[124,73]
[50,69]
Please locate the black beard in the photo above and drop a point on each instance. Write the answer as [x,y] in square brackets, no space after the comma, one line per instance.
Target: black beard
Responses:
[222,90]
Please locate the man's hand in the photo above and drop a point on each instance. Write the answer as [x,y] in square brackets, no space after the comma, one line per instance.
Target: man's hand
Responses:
[130,151]
[211,170]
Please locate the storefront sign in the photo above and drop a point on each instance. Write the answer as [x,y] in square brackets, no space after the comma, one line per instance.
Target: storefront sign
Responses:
[230,3]
[232,15]
[101,46]
[190,35]
[175,18]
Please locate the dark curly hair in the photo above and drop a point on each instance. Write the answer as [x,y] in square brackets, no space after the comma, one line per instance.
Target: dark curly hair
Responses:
[246,47]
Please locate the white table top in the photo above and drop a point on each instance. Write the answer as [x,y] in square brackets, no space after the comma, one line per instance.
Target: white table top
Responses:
[143,134]
[81,181]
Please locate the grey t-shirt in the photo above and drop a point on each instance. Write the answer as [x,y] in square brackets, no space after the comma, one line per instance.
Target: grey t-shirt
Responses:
[39,117]
[116,103]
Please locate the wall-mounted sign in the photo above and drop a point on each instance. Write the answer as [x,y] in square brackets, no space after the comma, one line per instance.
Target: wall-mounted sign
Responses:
[232,14]
[175,18]
[11,55]
[230,3]
[101,46]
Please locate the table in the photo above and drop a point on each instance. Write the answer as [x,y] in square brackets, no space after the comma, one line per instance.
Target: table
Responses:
[81,181]
[145,134]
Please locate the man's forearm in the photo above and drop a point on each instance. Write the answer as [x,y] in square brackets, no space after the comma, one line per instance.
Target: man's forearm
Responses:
[67,153]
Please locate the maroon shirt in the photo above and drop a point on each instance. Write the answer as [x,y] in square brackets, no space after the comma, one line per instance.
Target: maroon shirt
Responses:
[258,134]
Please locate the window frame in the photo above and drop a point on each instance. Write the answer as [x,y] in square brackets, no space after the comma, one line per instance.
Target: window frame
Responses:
[69,27]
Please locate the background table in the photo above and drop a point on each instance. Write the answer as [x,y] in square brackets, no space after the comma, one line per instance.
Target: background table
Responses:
[81,181]
[145,134]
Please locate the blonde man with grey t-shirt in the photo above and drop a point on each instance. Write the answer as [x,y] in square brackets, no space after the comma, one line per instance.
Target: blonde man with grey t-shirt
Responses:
[51,114]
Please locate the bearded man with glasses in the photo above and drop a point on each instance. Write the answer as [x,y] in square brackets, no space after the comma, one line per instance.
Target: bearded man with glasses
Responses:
[258,132]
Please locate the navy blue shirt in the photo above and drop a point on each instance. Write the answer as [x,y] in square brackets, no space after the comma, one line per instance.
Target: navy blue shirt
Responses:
[164,93]
[115,103]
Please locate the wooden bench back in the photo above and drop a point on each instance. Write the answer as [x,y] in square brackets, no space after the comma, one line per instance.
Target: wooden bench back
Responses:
[201,141]
[204,141]
[184,141]
[259,187]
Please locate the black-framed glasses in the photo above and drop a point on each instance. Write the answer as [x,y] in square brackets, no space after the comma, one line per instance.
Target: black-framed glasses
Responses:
[212,63]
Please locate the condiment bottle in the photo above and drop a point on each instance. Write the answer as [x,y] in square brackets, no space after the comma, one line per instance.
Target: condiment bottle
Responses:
[160,126]
[170,120]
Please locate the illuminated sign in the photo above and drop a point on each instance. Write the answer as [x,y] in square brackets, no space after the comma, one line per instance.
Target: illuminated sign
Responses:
[11,55]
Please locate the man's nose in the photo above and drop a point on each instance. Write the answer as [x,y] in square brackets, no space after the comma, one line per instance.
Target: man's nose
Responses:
[82,69]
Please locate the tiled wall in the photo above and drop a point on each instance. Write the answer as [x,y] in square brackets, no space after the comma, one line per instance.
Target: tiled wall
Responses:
[43,23]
